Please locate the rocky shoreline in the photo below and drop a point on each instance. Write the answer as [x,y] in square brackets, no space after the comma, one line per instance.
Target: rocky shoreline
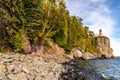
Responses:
[39,67]
[30,67]
[76,53]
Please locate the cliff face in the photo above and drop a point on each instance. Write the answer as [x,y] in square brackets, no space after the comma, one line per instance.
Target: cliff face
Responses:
[103,45]
[103,49]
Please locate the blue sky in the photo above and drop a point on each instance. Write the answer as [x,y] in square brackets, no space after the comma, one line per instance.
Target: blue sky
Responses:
[99,14]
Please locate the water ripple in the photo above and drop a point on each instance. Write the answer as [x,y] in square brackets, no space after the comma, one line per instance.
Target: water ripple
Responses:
[107,68]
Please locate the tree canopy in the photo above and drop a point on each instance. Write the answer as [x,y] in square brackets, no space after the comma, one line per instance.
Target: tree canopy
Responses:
[49,19]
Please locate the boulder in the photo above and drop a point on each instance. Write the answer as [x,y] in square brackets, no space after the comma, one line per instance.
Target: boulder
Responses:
[75,53]
[88,56]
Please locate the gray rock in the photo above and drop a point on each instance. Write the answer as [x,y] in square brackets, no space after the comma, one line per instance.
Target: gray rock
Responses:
[30,77]
[38,77]
[21,76]
[10,68]
[108,77]
[29,67]
[8,60]
[21,58]
[88,56]
[18,68]
[12,77]
[8,56]
[75,53]
[2,76]
[25,69]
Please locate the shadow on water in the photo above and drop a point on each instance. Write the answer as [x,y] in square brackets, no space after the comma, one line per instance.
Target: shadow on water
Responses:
[81,70]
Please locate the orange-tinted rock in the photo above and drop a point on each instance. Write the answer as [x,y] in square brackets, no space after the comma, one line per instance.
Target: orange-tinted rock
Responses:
[103,45]
[55,49]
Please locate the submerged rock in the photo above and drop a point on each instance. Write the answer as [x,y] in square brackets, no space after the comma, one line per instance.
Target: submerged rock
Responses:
[108,77]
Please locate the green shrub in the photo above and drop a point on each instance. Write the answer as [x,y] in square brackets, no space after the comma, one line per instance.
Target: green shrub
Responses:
[60,38]
[16,42]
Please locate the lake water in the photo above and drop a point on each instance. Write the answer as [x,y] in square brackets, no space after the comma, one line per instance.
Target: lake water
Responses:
[109,69]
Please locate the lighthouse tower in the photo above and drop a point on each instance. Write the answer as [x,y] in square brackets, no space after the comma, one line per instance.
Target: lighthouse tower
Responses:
[100,33]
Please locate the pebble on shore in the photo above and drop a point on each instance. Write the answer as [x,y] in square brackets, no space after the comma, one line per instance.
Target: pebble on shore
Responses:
[30,67]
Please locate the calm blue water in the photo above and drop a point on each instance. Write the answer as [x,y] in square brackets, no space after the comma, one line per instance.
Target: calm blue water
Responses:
[107,68]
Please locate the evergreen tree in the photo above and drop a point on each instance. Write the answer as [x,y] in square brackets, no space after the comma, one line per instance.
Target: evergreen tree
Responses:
[34,18]
[12,21]
[62,23]
[24,20]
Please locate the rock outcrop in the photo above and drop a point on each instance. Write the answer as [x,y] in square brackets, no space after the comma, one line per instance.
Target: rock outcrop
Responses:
[38,46]
[103,45]
[87,56]
[103,49]
[53,48]
[79,53]
[75,53]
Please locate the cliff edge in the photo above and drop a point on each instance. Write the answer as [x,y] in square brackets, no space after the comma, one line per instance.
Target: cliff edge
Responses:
[103,45]
[103,48]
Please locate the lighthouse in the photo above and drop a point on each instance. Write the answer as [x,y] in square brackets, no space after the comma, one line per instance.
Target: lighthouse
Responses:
[100,33]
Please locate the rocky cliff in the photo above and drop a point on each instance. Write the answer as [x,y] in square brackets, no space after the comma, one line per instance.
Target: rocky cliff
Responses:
[103,45]
[103,49]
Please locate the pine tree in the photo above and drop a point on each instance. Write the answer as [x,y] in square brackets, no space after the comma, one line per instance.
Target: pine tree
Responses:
[30,20]
[62,24]
[12,21]
[34,18]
